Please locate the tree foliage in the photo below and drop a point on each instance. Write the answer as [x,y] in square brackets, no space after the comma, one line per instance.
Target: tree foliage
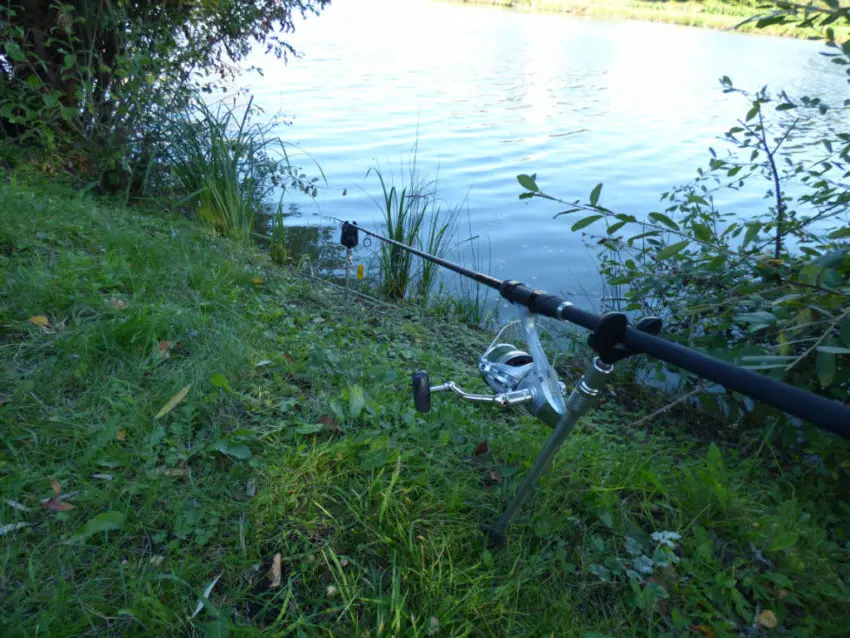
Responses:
[93,79]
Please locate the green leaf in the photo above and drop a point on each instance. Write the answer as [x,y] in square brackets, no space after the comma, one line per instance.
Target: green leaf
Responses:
[311,428]
[224,446]
[663,219]
[242,452]
[374,461]
[826,367]
[526,195]
[671,250]
[840,233]
[756,317]
[613,228]
[834,349]
[652,233]
[702,232]
[104,522]
[218,380]
[753,111]
[173,401]
[594,194]
[14,51]
[752,232]
[528,182]
[356,400]
[566,212]
[587,221]
[715,459]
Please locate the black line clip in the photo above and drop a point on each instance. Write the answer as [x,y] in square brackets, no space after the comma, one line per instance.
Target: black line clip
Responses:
[348,237]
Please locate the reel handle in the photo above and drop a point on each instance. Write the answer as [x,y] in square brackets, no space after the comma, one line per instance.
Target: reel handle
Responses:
[422,391]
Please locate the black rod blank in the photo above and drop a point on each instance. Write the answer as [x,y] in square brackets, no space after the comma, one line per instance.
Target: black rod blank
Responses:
[825,413]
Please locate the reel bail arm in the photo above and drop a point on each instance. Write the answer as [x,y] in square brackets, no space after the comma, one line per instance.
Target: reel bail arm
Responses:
[606,342]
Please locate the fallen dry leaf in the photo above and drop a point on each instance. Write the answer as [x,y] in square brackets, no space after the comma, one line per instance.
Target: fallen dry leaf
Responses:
[262,363]
[319,320]
[174,471]
[103,477]
[257,281]
[331,590]
[57,489]
[275,571]
[705,630]
[121,435]
[173,401]
[496,477]
[768,619]
[55,505]
[344,562]
[156,561]
[40,320]
[163,348]
[782,594]
[483,448]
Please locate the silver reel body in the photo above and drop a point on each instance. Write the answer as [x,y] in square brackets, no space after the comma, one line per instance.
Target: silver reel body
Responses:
[517,377]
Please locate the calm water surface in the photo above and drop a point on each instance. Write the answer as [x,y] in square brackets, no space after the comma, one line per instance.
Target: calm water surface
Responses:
[490,93]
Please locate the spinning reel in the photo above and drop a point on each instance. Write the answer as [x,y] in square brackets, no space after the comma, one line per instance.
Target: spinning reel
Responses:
[517,377]
[520,378]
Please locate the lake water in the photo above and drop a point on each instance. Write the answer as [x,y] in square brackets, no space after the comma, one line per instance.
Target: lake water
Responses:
[488,94]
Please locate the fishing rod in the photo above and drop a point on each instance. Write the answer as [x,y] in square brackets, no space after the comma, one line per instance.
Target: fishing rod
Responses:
[526,378]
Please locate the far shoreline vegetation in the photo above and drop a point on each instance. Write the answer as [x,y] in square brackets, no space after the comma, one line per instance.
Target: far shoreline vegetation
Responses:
[709,14]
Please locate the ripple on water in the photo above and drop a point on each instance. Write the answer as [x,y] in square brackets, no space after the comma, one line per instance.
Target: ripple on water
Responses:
[490,94]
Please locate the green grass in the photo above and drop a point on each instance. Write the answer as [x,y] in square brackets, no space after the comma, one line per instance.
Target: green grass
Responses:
[412,215]
[710,14]
[228,165]
[298,437]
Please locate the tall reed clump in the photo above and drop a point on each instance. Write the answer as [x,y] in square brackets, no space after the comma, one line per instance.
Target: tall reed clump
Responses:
[230,166]
[413,215]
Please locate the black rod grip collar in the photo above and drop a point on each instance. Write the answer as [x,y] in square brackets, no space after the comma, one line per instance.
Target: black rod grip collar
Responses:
[536,301]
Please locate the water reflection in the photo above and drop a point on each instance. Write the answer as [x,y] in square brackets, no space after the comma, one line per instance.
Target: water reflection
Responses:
[490,94]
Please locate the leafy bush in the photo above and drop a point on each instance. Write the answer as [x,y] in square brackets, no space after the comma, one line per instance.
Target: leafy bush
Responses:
[230,166]
[770,292]
[89,84]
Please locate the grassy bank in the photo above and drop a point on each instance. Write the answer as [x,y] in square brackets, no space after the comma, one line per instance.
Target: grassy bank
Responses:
[710,14]
[175,410]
